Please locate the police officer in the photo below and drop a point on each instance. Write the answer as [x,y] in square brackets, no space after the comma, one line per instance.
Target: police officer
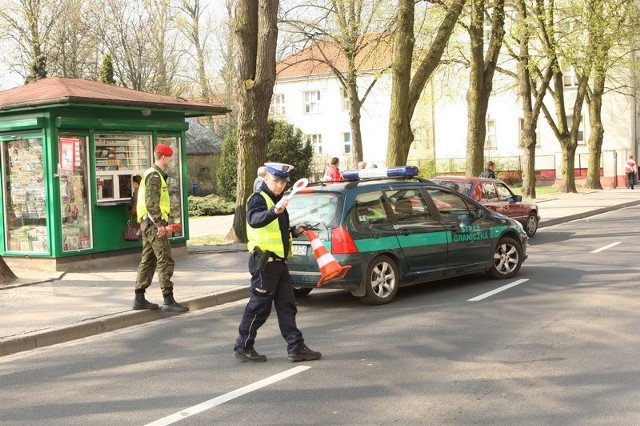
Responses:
[270,244]
[153,214]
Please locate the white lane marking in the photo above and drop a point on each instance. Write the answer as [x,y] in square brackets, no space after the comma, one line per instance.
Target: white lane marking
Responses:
[605,247]
[498,290]
[226,397]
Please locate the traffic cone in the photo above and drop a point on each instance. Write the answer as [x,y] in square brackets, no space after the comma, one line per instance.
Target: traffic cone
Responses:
[329,266]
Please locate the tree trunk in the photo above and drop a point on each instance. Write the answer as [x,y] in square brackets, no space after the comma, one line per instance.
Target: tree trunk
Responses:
[257,31]
[568,165]
[355,107]
[6,274]
[481,80]
[404,99]
[400,135]
[596,135]
[527,132]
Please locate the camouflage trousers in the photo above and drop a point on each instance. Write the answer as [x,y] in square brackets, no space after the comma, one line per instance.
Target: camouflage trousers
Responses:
[156,255]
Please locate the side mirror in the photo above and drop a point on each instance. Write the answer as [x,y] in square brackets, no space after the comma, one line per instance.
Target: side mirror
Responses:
[517,198]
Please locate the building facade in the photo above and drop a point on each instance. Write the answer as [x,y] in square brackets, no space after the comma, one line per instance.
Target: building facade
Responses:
[311,98]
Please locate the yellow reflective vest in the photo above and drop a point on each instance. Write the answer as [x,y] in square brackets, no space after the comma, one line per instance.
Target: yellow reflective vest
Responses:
[165,202]
[268,237]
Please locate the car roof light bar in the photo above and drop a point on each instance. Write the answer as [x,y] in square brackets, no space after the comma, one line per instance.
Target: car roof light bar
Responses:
[382,172]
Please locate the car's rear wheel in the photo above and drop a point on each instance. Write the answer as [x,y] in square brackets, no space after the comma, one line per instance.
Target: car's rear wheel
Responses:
[531,226]
[507,258]
[381,281]
[301,291]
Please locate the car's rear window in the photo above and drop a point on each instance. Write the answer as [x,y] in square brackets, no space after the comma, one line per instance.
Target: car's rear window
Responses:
[461,187]
[321,208]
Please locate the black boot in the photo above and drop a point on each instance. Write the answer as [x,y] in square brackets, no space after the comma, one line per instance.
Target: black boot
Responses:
[170,305]
[141,303]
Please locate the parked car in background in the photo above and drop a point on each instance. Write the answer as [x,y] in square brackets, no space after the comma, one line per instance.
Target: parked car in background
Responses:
[496,195]
[394,229]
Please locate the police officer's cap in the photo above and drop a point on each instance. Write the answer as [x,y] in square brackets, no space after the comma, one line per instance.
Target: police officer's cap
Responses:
[164,150]
[280,171]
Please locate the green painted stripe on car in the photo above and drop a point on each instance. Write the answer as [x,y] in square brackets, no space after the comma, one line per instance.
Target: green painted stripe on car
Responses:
[420,239]
[426,239]
[374,244]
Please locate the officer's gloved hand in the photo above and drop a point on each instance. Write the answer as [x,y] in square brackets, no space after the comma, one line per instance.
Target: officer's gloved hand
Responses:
[300,228]
[281,205]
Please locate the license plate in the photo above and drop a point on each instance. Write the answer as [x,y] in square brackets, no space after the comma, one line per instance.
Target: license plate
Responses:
[299,250]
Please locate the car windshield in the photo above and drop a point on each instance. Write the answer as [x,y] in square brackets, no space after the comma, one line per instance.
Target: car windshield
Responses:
[321,208]
[461,187]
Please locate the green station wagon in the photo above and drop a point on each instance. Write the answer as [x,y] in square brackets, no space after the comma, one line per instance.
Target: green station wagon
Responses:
[395,229]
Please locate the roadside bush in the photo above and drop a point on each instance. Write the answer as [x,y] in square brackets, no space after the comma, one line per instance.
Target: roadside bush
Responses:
[228,167]
[211,205]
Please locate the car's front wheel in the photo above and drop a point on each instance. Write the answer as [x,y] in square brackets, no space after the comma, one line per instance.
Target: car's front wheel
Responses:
[381,281]
[507,258]
[301,291]
[531,226]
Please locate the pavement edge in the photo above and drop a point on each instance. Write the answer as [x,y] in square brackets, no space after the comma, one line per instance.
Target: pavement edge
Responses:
[13,345]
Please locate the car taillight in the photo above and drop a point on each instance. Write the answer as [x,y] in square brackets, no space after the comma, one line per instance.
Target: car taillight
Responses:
[341,241]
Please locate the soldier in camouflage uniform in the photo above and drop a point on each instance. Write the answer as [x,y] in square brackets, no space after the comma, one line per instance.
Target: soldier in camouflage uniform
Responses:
[153,214]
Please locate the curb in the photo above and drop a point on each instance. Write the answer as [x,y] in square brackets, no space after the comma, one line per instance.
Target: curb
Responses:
[112,322]
[569,218]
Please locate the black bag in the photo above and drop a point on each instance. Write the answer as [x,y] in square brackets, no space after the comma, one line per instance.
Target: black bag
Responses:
[132,232]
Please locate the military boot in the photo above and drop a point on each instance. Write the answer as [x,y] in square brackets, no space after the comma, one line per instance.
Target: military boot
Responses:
[141,303]
[170,305]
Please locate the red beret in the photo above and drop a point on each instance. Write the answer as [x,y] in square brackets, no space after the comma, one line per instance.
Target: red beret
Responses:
[164,150]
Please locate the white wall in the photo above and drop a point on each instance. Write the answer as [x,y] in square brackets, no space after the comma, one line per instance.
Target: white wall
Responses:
[331,122]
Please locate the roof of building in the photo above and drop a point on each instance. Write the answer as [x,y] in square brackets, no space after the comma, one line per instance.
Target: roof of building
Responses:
[376,53]
[201,140]
[65,91]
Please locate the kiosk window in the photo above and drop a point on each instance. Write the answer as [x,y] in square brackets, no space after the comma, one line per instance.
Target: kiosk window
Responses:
[117,158]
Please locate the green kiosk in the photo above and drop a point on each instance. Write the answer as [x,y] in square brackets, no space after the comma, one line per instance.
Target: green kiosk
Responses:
[69,150]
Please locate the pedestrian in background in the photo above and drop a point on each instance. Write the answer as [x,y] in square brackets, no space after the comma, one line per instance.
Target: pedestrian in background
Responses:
[333,174]
[362,165]
[630,169]
[270,242]
[257,183]
[488,172]
[153,215]
[133,205]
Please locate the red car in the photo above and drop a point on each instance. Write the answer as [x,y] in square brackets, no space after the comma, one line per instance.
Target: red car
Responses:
[496,195]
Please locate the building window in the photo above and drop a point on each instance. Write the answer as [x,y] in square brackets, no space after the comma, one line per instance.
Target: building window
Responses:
[580,129]
[346,139]
[312,102]
[569,78]
[490,137]
[316,142]
[521,127]
[277,105]
[346,105]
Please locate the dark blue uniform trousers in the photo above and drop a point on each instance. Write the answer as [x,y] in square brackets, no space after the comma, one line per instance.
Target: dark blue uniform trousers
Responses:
[272,286]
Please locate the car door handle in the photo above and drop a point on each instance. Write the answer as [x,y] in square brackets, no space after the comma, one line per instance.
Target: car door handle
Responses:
[454,228]
[405,231]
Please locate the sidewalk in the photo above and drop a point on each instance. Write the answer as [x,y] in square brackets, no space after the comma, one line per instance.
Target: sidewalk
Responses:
[42,309]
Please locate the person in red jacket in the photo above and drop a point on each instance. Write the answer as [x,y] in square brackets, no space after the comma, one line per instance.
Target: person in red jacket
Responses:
[333,174]
[630,170]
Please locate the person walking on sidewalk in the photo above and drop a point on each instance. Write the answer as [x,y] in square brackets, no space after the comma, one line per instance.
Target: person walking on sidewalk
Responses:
[153,215]
[488,172]
[630,169]
[270,243]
